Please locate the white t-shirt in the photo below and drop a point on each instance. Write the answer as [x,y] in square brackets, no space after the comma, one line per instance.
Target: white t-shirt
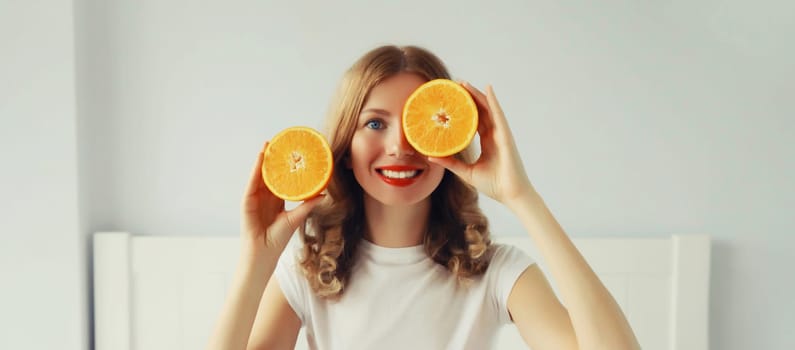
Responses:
[399,298]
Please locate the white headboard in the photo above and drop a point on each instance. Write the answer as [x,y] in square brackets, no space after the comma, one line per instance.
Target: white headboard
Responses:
[165,292]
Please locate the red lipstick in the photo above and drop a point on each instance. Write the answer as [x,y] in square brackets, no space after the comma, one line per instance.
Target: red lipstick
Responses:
[400,182]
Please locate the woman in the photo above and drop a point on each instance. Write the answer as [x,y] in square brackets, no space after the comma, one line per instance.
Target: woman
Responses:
[397,253]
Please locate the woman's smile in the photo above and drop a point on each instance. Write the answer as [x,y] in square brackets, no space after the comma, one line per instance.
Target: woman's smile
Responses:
[399,175]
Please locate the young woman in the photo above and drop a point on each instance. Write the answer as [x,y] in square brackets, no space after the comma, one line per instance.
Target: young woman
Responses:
[397,253]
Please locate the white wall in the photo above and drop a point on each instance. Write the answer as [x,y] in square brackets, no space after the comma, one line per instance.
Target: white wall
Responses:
[634,119]
[43,303]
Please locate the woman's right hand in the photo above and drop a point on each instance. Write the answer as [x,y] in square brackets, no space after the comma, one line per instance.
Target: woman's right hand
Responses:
[266,226]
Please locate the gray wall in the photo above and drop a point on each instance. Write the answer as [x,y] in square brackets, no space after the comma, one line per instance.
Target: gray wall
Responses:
[633,119]
[43,300]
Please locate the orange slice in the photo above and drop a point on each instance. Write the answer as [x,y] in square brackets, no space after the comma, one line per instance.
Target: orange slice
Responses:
[440,118]
[297,164]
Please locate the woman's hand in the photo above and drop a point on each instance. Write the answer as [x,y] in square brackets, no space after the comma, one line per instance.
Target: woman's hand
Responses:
[498,172]
[266,226]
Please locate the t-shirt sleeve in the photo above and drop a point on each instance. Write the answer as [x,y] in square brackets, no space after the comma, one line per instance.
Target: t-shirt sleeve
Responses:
[292,281]
[507,264]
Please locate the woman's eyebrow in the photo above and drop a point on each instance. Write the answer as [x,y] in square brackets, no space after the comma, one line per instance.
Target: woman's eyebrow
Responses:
[375,110]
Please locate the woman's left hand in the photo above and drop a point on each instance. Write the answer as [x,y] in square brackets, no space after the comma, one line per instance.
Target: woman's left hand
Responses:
[498,172]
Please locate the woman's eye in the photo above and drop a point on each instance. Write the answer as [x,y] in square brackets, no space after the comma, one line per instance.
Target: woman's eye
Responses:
[374,124]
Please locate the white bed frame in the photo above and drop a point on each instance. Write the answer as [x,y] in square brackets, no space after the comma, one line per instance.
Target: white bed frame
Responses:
[165,292]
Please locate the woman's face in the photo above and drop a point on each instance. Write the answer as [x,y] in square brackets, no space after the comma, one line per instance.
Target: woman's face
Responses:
[383,162]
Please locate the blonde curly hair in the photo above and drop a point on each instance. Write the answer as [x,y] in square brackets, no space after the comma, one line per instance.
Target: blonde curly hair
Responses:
[458,234]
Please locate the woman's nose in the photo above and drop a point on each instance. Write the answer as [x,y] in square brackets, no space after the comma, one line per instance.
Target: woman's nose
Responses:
[397,145]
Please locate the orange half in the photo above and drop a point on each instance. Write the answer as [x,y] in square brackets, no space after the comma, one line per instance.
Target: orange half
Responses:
[440,118]
[297,164]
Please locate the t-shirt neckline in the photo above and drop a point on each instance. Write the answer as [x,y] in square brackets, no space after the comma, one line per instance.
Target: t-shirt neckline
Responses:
[392,256]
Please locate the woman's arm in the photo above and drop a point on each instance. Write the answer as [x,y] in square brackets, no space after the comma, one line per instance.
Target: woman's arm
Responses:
[276,325]
[596,318]
[266,230]
[237,316]
[593,315]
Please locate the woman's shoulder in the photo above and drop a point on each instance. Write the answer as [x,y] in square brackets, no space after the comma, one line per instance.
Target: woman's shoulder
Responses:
[504,254]
[291,255]
[507,263]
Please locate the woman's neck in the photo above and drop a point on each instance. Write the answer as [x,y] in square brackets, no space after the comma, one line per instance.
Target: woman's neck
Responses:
[395,226]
